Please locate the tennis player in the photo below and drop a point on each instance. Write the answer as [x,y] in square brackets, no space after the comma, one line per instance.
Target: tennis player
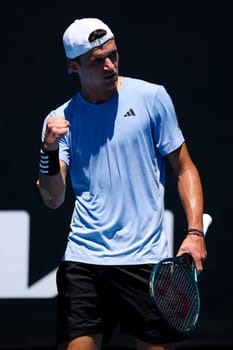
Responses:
[114,136]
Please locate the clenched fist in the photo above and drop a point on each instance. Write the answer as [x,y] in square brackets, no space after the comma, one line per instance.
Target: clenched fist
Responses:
[56,128]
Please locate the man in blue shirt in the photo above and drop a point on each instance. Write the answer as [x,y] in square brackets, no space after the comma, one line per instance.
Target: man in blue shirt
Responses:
[114,136]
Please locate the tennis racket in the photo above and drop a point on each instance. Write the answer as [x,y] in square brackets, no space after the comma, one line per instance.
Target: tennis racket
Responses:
[174,290]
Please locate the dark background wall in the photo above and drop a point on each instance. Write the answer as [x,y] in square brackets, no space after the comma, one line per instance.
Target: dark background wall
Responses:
[184,47]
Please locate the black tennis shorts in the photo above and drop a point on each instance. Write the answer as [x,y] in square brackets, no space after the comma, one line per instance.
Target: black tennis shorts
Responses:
[94,298]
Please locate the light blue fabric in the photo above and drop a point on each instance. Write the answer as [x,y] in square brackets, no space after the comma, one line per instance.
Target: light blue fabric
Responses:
[115,151]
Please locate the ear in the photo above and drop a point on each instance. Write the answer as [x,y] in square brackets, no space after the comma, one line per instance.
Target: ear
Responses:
[72,66]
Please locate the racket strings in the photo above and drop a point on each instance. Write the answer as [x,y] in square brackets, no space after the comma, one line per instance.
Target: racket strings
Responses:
[176,297]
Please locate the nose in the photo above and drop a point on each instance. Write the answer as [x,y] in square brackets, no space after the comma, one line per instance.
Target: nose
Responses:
[108,64]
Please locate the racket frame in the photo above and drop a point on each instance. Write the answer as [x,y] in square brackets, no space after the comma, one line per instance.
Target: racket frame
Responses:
[186,262]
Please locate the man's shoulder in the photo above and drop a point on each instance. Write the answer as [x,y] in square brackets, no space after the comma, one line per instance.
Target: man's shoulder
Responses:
[140,81]
[142,84]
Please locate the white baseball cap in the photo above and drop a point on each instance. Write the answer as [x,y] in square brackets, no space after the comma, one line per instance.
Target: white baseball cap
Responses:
[76,37]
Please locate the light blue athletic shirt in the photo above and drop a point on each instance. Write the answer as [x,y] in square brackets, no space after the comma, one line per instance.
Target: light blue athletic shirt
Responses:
[115,151]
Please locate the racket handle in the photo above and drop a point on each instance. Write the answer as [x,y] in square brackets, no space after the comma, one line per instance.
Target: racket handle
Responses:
[207,220]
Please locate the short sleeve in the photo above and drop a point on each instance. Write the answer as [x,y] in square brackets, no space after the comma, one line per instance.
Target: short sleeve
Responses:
[166,131]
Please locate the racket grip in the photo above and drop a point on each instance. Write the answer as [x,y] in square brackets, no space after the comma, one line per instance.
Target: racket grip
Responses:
[207,220]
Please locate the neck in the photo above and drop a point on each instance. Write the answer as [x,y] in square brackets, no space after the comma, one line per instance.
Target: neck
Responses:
[101,96]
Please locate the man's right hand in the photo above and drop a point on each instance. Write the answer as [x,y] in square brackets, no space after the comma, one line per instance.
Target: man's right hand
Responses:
[56,128]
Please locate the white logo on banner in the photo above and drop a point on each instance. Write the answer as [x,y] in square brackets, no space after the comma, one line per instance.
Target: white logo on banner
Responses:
[14,257]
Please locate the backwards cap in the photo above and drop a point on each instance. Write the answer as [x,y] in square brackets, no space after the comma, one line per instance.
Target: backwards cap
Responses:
[76,37]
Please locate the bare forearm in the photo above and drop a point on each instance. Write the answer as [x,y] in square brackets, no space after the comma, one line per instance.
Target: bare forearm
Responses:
[52,189]
[191,195]
[190,191]
[189,186]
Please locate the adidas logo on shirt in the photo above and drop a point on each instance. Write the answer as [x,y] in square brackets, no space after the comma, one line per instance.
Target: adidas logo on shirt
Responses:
[130,113]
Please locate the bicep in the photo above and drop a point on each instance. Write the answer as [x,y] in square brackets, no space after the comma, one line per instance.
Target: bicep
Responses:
[180,159]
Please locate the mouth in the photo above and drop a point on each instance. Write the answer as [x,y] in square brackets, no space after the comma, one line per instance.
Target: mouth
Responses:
[112,77]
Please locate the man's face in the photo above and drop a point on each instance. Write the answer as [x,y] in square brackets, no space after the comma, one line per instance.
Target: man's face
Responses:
[98,68]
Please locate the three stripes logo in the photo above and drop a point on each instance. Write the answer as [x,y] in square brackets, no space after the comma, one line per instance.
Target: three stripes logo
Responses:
[130,113]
